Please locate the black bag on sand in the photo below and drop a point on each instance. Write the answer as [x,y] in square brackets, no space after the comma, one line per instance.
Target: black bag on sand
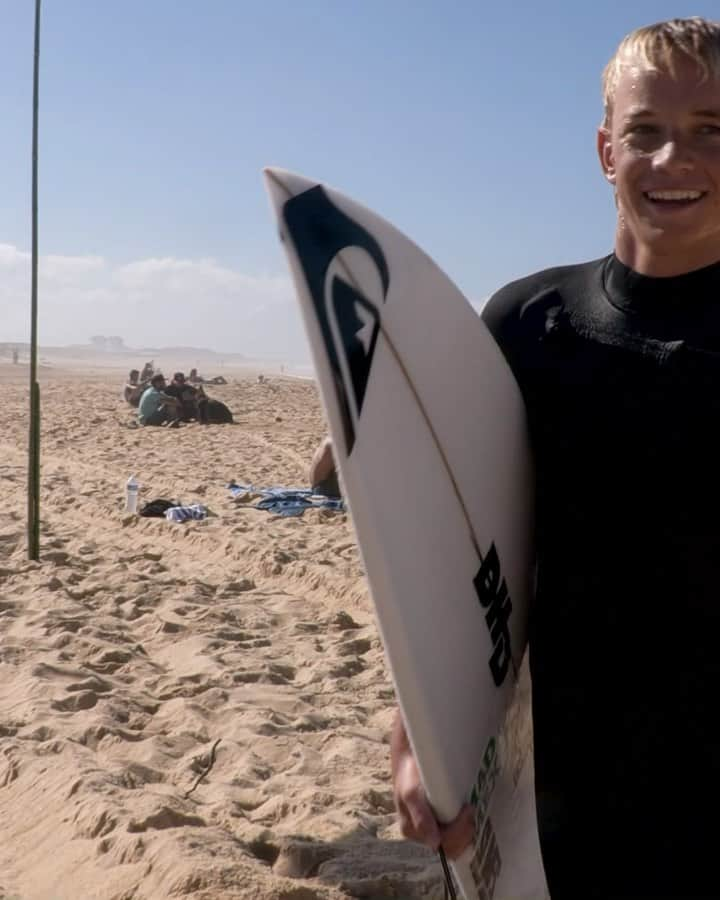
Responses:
[156,508]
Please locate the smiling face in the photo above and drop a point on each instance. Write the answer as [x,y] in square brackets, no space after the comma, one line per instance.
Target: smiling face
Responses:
[661,151]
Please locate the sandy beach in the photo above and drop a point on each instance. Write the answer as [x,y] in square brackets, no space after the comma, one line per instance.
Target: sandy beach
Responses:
[195,710]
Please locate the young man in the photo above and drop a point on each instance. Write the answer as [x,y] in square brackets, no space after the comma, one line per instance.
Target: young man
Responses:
[619,364]
[156,407]
[193,402]
[134,388]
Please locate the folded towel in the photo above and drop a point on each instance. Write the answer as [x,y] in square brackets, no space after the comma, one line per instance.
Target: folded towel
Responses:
[183,513]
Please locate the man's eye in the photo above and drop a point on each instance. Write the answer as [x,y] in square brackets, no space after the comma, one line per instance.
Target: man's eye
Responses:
[642,129]
[710,129]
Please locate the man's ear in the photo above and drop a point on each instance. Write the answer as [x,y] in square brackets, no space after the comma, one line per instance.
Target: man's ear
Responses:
[605,152]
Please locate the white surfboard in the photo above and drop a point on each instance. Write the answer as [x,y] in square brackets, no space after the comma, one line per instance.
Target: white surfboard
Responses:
[429,434]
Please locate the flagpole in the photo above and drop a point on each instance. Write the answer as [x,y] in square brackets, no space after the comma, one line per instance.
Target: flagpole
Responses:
[33,511]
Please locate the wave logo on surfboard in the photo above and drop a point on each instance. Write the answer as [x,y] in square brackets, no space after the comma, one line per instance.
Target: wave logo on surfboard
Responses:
[337,253]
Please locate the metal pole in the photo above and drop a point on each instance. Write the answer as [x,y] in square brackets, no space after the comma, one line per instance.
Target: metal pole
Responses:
[33,512]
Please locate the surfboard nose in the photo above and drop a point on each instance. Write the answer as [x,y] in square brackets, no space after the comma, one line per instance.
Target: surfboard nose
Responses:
[281,185]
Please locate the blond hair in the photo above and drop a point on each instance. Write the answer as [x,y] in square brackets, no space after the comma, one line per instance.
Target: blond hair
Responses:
[658,47]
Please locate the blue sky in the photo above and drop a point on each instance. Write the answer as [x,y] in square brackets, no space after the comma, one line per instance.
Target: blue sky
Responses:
[471,126]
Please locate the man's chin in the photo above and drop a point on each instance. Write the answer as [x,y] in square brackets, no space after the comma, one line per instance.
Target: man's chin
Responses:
[672,251]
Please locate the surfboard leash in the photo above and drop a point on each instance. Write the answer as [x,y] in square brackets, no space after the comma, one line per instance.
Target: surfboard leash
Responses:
[450,893]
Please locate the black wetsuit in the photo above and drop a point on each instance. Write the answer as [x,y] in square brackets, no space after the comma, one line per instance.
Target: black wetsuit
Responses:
[621,378]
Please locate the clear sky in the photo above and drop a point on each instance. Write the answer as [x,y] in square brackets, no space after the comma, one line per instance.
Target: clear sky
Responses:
[470,125]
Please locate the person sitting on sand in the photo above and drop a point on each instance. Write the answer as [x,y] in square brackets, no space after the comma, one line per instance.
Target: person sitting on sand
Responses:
[193,402]
[194,378]
[157,407]
[323,475]
[134,389]
[148,371]
[179,387]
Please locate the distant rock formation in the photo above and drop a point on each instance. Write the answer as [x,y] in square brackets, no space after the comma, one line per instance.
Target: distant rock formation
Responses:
[113,344]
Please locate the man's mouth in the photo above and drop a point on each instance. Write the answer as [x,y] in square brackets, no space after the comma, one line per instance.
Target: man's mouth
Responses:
[673,198]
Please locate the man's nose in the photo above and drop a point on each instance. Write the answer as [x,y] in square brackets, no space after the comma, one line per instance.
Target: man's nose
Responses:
[674,154]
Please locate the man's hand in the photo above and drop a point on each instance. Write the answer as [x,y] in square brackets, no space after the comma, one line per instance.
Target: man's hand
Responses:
[417,821]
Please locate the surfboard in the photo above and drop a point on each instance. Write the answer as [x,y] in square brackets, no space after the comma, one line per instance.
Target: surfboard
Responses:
[429,434]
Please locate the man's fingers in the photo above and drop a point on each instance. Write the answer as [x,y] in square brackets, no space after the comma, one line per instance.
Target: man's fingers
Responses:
[417,821]
[459,834]
[422,819]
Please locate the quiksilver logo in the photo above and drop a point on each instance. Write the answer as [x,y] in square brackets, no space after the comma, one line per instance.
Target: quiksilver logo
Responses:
[493,595]
[349,321]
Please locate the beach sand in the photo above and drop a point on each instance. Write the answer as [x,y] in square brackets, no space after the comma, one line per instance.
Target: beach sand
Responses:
[139,654]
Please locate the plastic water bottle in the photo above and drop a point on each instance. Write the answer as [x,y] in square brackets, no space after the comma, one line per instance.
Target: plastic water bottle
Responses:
[131,494]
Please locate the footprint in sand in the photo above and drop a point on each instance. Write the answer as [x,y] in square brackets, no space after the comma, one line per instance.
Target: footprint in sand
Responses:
[76,702]
[135,775]
[165,817]
[356,647]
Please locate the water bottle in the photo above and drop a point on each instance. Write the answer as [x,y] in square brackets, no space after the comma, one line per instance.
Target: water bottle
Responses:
[131,494]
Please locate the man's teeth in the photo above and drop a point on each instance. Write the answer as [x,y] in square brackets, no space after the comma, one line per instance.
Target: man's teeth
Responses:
[674,195]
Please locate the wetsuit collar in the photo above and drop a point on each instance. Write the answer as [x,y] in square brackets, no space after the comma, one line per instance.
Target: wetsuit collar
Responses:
[661,297]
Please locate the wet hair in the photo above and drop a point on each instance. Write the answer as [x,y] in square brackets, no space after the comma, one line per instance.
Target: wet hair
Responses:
[659,48]
[156,379]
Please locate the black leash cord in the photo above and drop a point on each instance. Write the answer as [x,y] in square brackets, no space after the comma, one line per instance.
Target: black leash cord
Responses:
[449,886]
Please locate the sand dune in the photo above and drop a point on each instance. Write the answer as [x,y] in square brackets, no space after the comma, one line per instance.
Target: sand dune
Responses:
[193,710]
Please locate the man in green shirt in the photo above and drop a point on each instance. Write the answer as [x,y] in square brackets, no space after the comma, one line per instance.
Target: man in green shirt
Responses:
[156,407]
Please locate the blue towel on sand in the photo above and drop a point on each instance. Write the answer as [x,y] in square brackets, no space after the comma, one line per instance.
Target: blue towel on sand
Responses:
[282,501]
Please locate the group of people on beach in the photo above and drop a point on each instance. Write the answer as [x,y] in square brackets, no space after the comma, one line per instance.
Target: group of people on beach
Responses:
[182,400]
